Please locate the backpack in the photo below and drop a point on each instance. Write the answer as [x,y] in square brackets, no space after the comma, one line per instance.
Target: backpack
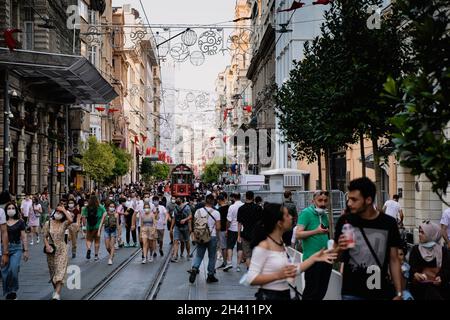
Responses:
[202,233]
[179,215]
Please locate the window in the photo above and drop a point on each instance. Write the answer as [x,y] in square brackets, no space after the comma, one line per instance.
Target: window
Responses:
[92,17]
[92,55]
[83,10]
[29,35]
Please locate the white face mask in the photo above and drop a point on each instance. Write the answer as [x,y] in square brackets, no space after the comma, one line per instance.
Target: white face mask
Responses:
[320,210]
[71,205]
[11,213]
[173,201]
[112,209]
[147,210]
[110,198]
[58,216]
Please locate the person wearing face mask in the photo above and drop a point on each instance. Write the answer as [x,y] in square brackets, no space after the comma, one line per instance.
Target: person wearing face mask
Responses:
[4,198]
[33,221]
[170,209]
[312,229]
[56,247]
[17,243]
[110,220]
[163,217]
[148,232]
[75,226]
[45,204]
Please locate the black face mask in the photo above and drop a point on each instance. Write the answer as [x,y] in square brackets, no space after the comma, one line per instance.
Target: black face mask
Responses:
[123,199]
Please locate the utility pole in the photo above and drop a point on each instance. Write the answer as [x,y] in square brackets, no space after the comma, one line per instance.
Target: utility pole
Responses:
[6,149]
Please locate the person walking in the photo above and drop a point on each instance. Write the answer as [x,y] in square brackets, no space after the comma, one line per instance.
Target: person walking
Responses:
[248,217]
[445,227]
[181,227]
[312,230]
[33,221]
[233,229]
[393,208]
[17,243]
[110,221]
[148,232]
[56,247]
[92,216]
[209,219]
[163,217]
[271,267]
[4,231]
[170,209]
[45,205]
[368,241]
[25,208]
[74,228]
[223,210]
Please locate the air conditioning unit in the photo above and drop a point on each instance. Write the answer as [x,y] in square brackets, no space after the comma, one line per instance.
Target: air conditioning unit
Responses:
[293,181]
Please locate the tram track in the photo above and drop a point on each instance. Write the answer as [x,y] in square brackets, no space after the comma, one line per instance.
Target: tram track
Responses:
[151,291]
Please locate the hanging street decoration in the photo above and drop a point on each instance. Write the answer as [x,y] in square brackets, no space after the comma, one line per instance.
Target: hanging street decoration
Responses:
[179,52]
[209,42]
[197,58]
[189,38]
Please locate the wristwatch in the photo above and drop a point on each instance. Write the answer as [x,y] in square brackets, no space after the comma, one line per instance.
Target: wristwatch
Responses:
[399,294]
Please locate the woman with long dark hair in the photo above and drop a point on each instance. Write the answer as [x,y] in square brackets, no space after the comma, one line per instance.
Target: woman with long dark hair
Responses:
[271,267]
[17,239]
[92,217]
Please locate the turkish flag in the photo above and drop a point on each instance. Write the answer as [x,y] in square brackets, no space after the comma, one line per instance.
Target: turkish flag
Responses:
[147,152]
[295,5]
[136,139]
[11,43]
[324,2]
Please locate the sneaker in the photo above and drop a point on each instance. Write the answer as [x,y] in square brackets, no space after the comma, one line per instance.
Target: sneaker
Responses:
[110,261]
[74,255]
[31,243]
[96,258]
[150,259]
[211,279]
[238,269]
[228,267]
[223,265]
[161,253]
[38,240]
[11,296]
[116,246]
[193,275]
[174,260]
[88,254]
[56,296]
[154,254]
[126,245]
[136,245]
[144,261]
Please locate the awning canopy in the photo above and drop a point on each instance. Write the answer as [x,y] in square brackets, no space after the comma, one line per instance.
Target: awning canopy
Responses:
[64,78]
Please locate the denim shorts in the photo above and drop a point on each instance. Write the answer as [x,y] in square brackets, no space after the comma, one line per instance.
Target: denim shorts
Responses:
[110,233]
[181,234]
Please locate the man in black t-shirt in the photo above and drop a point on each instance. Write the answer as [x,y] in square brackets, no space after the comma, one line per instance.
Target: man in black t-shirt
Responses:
[223,210]
[374,250]
[248,216]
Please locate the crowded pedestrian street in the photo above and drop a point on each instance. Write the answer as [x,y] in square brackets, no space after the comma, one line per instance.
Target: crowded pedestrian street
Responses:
[246,151]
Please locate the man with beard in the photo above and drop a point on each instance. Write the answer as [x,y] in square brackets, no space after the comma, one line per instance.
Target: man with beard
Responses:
[367,241]
[312,229]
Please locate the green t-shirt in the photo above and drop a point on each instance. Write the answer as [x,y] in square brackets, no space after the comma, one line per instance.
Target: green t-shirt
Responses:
[309,218]
[100,211]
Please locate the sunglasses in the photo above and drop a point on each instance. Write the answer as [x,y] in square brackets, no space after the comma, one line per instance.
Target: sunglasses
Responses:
[426,221]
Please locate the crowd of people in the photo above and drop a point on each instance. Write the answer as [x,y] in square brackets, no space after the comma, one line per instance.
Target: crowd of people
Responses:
[256,233]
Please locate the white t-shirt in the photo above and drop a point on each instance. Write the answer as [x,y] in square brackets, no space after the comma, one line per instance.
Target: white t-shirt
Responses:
[26,206]
[393,209]
[139,205]
[265,262]
[232,215]
[211,223]
[446,220]
[161,223]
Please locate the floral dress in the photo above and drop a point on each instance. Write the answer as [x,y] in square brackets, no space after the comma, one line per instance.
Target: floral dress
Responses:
[57,263]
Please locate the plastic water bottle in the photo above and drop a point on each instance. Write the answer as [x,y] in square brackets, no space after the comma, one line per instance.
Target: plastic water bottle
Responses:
[349,232]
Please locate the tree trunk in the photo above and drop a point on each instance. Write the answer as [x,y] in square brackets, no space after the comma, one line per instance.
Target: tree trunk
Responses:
[363,154]
[376,165]
[319,161]
[328,184]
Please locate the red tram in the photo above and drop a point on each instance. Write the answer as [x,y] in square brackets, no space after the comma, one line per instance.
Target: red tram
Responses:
[182,181]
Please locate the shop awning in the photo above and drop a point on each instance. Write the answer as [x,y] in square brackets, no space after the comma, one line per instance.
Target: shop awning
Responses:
[66,78]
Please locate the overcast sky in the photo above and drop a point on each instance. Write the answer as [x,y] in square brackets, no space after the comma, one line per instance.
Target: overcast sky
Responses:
[189,12]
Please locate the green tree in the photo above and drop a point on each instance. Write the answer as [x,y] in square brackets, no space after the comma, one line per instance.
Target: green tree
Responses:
[423,93]
[122,163]
[213,171]
[146,169]
[160,171]
[332,98]
[98,160]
